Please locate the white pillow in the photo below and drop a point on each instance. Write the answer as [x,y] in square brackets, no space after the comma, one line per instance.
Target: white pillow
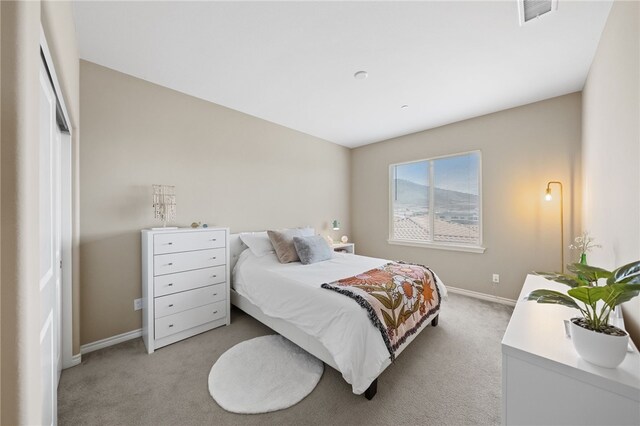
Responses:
[258,242]
[307,231]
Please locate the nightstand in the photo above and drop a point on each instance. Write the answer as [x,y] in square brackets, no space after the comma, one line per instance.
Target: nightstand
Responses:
[349,248]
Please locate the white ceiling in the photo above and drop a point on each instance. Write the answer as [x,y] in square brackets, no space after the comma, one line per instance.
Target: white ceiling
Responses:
[292,63]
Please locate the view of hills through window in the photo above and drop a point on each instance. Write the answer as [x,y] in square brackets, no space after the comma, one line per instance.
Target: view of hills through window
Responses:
[448,187]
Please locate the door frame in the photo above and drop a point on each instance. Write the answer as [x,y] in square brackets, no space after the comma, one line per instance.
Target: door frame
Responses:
[66,186]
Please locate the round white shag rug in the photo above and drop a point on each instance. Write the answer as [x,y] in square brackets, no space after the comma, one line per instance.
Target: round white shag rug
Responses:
[264,374]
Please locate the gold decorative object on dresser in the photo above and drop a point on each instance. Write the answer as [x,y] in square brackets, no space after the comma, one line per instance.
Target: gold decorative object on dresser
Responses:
[185,284]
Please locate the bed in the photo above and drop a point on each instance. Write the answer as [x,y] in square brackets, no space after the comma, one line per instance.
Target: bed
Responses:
[288,298]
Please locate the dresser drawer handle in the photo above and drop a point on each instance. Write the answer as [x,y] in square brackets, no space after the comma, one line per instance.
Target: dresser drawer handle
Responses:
[215,294]
[214,239]
[169,244]
[170,284]
[213,258]
[170,264]
[213,276]
[215,312]
[170,325]
[171,305]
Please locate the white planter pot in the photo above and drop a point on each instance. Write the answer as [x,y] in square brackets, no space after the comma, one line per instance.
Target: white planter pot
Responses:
[599,348]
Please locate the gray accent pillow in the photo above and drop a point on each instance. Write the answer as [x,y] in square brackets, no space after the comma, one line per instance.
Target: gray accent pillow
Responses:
[312,249]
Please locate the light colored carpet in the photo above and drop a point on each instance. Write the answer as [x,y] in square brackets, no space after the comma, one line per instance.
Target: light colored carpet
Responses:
[264,374]
[449,375]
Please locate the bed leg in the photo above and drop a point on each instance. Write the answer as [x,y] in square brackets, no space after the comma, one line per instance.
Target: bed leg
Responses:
[371,390]
[434,321]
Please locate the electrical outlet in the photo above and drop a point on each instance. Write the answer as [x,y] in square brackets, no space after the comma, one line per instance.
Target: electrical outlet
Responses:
[496,278]
[137,304]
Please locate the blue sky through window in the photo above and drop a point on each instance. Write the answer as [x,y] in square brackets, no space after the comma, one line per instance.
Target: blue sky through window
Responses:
[457,173]
[414,172]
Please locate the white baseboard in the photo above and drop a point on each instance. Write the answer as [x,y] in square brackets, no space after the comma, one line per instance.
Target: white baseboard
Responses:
[75,360]
[110,341]
[482,296]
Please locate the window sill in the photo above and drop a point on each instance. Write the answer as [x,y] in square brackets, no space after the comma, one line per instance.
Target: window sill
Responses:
[438,246]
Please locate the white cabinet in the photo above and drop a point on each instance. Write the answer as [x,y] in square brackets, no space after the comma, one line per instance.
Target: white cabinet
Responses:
[545,382]
[185,283]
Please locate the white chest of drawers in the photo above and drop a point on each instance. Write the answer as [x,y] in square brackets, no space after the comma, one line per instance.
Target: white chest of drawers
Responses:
[185,284]
[544,380]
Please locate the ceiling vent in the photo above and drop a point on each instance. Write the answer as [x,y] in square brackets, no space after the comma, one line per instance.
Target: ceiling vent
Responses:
[529,10]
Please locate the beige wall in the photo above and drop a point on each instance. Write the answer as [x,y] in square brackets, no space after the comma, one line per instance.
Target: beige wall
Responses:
[229,169]
[522,148]
[20,322]
[611,147]
[19,79]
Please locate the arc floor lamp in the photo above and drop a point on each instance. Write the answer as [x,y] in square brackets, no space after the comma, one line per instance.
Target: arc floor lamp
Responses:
[548,197]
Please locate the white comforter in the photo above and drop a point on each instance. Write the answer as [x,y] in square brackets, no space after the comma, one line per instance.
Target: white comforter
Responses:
[292,292]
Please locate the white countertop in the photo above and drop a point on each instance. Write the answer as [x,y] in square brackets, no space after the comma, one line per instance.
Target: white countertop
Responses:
[536,334]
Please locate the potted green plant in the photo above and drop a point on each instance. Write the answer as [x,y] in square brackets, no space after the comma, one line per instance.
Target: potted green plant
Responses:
[594,338]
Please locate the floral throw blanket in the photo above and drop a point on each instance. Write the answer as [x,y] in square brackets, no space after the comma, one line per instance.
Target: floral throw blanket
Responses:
[398,297]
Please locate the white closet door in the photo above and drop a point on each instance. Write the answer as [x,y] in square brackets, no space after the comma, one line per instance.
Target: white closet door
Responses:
[57,191]
[50,250]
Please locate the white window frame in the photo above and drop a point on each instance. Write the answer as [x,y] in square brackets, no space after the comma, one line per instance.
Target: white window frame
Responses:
[470,248]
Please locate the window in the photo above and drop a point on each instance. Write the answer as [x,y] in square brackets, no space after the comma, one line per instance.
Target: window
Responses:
[436,202]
